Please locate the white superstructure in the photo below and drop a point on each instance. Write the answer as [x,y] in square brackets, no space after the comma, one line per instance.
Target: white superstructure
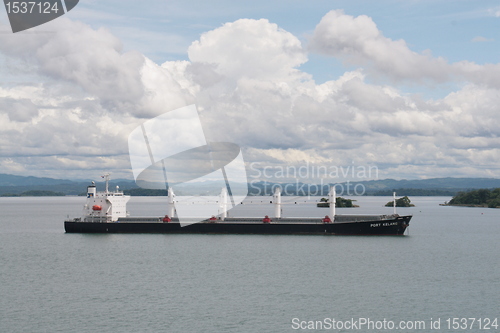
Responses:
[104,206]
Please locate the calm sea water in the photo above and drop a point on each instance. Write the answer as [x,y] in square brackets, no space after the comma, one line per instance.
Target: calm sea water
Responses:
[448,266]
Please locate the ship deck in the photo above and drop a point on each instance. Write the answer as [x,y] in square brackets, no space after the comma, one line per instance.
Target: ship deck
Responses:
[282,220]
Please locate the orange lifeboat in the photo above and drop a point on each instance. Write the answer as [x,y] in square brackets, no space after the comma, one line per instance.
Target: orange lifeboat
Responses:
[96,207]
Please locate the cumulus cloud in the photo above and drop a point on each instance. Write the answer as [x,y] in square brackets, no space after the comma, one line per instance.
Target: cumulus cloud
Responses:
[245,79]
[358,41]
[51,127]
[165,89]
[72,51]
[19,110]
[249,48]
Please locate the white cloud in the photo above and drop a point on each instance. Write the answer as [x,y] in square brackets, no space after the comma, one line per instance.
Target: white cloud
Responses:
[249,48]
[494,12]
[20,110]
[244,78]
[358,41]
[164,88]
[481,39]
[75,52]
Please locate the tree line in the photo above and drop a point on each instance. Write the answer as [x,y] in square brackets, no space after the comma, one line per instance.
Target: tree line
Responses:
[482,197]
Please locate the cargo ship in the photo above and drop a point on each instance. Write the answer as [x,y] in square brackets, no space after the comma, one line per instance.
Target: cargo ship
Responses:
[106,212]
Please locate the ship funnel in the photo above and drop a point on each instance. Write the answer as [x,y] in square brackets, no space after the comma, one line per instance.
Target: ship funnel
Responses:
[91,190]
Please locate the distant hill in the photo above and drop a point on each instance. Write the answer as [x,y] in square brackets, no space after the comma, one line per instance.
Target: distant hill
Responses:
[12,180]
[433,183]
[424,187]
[12,184]
[17,185]
[34,193]
[417,192]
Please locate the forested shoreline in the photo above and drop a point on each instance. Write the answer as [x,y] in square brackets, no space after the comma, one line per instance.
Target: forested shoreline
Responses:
[477,198]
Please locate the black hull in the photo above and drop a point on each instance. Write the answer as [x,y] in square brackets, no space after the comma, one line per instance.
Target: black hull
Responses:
[393,226]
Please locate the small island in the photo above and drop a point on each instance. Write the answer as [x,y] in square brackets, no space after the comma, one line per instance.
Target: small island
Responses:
[476,198]
[401,202]
[339,202]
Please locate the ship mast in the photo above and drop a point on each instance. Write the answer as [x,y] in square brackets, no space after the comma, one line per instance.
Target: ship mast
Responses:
[106,178]
[394,202]
[171,205]
[333,201]
[277,202]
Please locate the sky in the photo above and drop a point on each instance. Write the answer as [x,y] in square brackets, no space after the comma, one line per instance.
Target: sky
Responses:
[410,89]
